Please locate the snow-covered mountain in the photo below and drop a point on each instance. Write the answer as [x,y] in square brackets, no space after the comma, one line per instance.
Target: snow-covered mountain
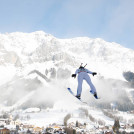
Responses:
[36,68]
[21,49]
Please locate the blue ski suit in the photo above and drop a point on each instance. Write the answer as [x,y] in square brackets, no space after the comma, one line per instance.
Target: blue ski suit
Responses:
[83,75]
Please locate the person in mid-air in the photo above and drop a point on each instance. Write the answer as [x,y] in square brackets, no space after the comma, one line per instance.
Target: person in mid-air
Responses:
[83,75]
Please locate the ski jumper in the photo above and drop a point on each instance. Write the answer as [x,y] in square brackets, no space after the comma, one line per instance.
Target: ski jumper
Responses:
[83,75]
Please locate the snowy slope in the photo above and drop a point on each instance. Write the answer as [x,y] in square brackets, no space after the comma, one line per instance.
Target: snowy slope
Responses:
[22,53]
[35,70]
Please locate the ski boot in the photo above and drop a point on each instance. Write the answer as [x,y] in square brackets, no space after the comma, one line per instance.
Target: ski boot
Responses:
[95,95]
[78,97]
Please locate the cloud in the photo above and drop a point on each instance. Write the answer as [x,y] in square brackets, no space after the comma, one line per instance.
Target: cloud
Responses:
[71,17]
[123,16]
[121,21]
[23,16]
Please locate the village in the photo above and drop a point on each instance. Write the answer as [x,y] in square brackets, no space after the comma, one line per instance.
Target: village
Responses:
[10,126]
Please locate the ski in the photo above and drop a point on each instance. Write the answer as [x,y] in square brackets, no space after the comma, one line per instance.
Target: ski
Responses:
[69,89]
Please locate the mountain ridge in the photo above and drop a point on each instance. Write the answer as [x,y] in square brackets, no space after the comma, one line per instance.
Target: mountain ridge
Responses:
[22,49]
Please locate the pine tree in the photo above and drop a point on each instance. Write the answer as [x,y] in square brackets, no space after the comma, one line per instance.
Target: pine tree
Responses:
[77,124]
[116,126]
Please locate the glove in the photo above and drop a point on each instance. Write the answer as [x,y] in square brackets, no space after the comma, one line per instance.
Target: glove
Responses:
[94,73]
[74,75]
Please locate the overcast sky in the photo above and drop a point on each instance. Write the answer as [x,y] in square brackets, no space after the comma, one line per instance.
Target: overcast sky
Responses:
[111,20]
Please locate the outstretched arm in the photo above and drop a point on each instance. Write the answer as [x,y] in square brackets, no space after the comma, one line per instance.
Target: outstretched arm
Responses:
[88,71]
[93,73]
[76,72]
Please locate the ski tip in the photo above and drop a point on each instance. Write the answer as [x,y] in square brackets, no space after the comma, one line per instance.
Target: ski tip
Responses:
[97,98]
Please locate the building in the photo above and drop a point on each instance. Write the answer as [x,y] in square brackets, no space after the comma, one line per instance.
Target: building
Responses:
[4,131]
[37,129]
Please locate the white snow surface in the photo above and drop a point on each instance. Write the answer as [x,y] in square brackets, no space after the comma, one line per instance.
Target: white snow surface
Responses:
[21,53]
